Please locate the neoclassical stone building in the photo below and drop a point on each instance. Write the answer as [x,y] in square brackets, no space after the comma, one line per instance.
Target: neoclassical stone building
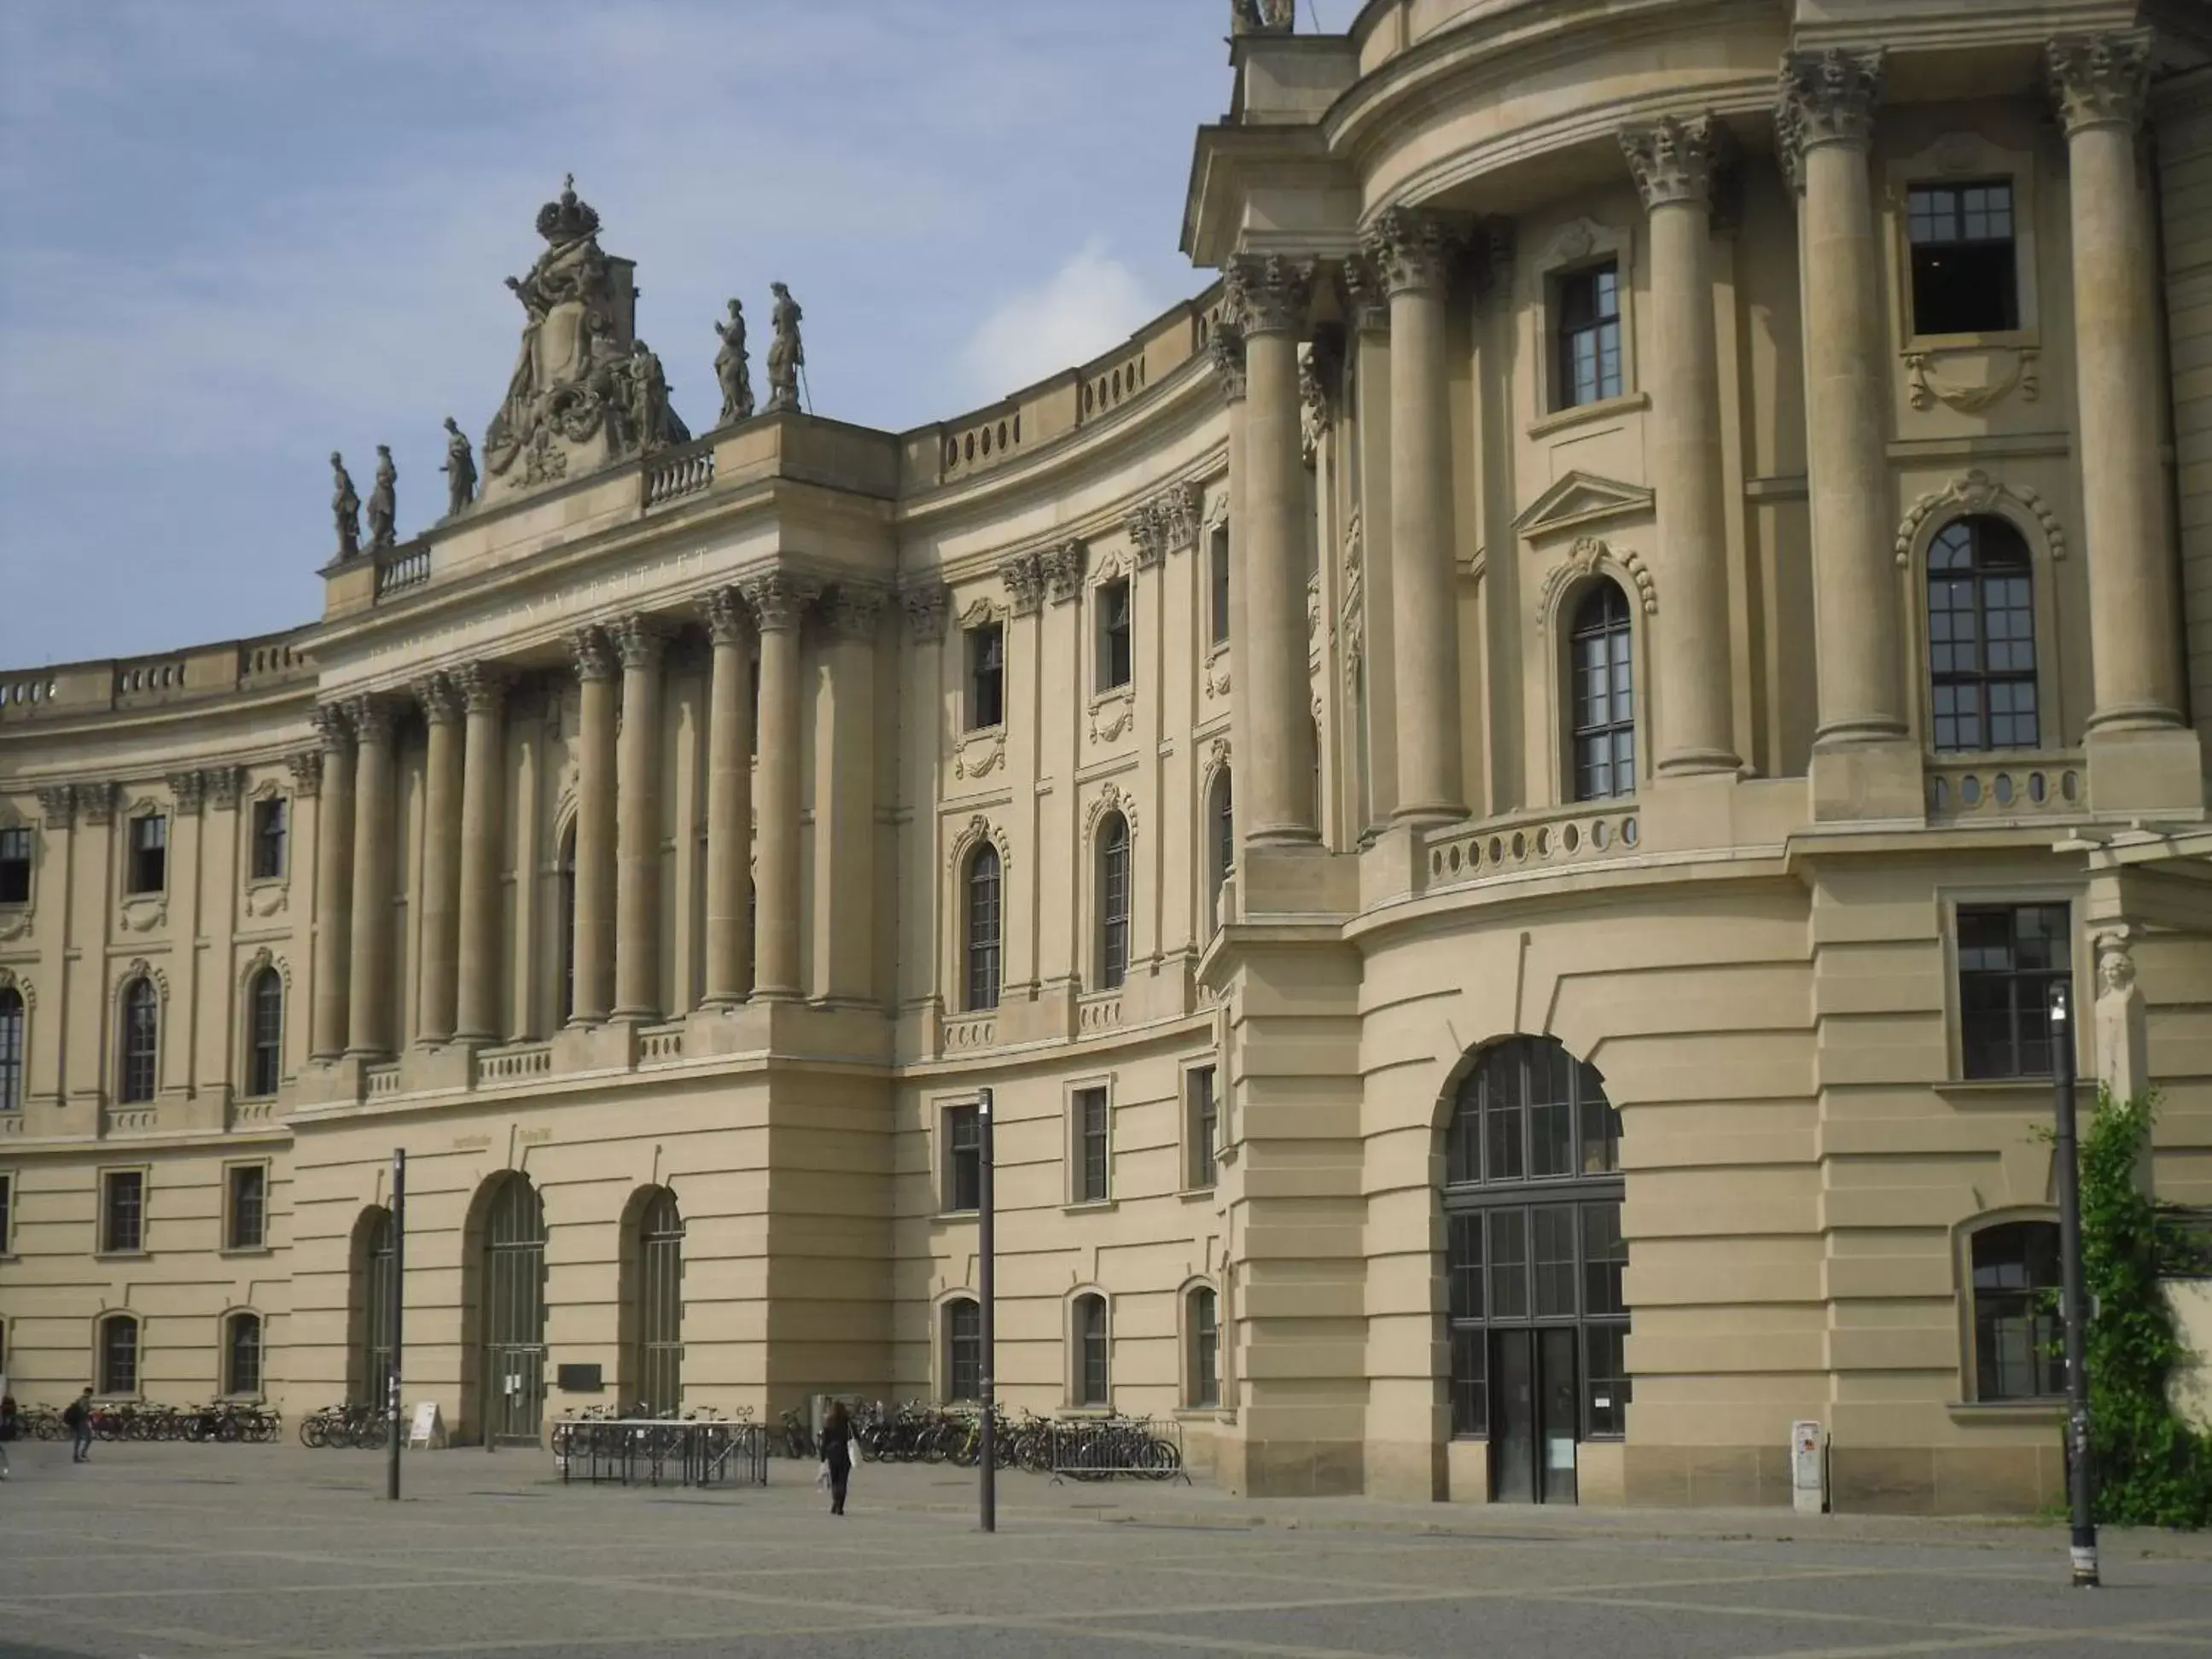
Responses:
[1498,798]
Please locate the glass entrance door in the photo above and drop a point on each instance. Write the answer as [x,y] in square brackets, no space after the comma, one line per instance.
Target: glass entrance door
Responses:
[1555,1373]
[1513,1417]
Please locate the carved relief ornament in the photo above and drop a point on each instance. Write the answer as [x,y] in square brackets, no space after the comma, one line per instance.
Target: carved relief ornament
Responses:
[482,686]
[1366,297]
[1111,799]
[1587,558]
[727,617]
[1976,492]
[1827,97]
[1674,160]
[306,767]
[224,784]
[855,609]
[58,805]
[1412,250]
[779,600]
[1024,582]
[2100,80]
[99,801]
[1225,348]
[1061,567]
[977,830]
[1271,293]
[928,609]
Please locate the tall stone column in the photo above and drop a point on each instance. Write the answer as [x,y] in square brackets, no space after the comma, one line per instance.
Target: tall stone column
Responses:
[370,1002]
[333,885]
[779,602]
[483,689]
[1271,295]
[1674,163]
[1367,300]
[729,801]
[441,861]
[1227,349]
[1411,253]
[845,846]
[1826,130]
[595,827]
[2100,82]
[642,640]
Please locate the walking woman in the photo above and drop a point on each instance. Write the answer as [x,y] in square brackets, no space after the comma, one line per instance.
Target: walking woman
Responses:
[838,1453]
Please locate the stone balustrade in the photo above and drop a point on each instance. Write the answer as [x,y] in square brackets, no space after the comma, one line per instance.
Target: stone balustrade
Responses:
[657,1045]
[515,1062]
[671,474]
[1984,788]
[1523,842]
[402,568]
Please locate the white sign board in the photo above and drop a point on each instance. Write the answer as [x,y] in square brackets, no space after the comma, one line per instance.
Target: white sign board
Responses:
[1807,1471]
[428,1428]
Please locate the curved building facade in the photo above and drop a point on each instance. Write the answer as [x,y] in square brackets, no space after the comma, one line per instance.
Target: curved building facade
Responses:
[1498,798]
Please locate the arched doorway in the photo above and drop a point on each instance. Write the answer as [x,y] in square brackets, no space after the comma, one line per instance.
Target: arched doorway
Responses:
[655,1295]
[510,1310]
[368,1369]
[1533,1263]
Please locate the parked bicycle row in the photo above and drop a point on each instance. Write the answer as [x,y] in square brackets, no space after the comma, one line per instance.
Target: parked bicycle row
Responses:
[1082,1447]
[364,1428]
[228,1423]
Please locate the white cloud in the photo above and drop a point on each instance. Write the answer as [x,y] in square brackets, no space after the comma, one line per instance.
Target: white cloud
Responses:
[1086,305]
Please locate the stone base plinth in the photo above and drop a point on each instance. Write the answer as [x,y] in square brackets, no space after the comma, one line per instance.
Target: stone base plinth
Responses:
[2146,771]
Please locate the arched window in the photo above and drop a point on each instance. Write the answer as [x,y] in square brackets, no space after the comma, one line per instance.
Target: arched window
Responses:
[241,1345]
[509,1309]
[265,1052]
[1603,695]
[141,1040]
[1534,1262]
[1113,901]
[118,1354]
[1220,843]
[2016,1325]
[566,920]
[374,1262]
[658,1296]
[1092,1379]
[1981,637]
[963,1350]
[984,911]
[11,1050]
[1203,1329]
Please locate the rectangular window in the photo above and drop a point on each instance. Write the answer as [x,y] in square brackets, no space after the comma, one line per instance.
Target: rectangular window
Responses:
[271,827]
[1218,578]
[249,1206]
[963,1158]
[1117,666]
[1589,337]
[123,1211]
[1965,274]
[1205,1126]
[1470,1383]
[963,1351]
[1604,1380]
[149,855]
[7,1213]
[1205,1351]
[15,867]
[245,1354]
[1093,1379]
[1091,1118]
[987,677]
[1463,1264]
[2010,957]
[119,1356]
[1509,1264]
[1555,1229]
[1605,1254]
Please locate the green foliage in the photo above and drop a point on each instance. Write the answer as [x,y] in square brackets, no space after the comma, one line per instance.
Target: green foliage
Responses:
[2154,1469]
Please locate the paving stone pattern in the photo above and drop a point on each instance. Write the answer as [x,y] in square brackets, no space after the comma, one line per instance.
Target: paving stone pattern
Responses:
[174,1550]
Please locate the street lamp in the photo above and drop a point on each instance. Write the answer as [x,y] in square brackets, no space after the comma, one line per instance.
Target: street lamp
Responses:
[2073,1302]
[987,1273]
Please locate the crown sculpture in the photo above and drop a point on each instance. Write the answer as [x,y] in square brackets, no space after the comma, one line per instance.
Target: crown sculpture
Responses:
[585,391]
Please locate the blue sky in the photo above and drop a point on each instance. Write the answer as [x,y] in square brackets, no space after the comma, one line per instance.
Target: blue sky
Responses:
[239,233]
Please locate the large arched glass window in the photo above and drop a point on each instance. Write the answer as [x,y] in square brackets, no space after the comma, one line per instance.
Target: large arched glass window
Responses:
[142,1041]
[241,1345]
[1202,1327]
[963,1350]
[2016,1326]
[374,1265]
[983,898]
[1534,1261]
[1092,1378]
[1981,637]
[118,1354]
[1601,695]
[264,1053]
[1113,901]
[11,1050]
[657,1297]
[1220,843]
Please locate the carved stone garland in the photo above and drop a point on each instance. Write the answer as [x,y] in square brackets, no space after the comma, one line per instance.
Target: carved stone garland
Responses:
[1974,492]
[1586,558]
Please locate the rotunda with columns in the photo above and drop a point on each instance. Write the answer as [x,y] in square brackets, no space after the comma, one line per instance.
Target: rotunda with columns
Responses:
[1498,798]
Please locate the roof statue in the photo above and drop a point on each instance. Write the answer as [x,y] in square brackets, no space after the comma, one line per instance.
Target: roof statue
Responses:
[1262,16]
[786,357]
[585,391]
[460,471]
[731,368]
[383,500]
[345,504]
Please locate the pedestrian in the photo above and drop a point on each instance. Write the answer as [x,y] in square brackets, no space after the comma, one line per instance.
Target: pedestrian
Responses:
[838,1453]
[77,1420]
[6,1430]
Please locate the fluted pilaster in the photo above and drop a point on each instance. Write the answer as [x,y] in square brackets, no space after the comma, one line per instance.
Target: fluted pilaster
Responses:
[482,688]
[595,664]
[373,991]
[780,601]
[730,717]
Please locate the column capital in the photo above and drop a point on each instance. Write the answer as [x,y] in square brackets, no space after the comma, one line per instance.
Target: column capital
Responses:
[1827,97]
[779,600]
[1147,533]
[727,617]
[855,608]
[1024,582]
[1061,567]
[57,806]
[1271,293]
[332,729]
[224,785]
[99,801]
[307,766]
[1225,346]
[189,790]
[2100,80]
[928,610]
[1366,295]
[1413,248]
[592,654]
[640,639]
[482,686]
[435,694]
[372,717]
[1675,160]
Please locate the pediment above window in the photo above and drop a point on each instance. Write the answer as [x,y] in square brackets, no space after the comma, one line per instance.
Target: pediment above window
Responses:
[1578,500]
